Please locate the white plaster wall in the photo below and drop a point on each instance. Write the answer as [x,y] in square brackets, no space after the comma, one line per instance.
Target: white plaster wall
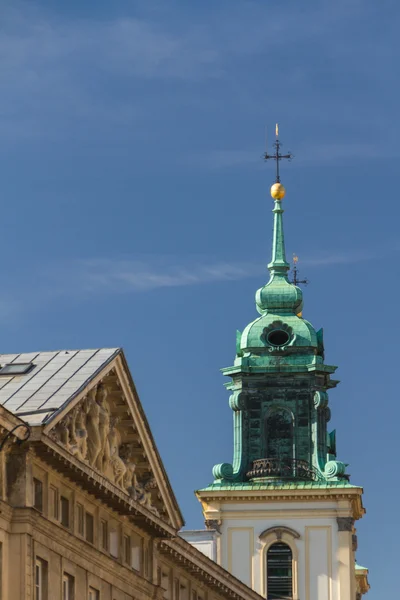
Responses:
[206,548]
[242,550]
[204,540]
[319,563]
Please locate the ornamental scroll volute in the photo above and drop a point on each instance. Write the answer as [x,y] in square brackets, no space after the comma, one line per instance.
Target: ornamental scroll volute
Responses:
[100,431]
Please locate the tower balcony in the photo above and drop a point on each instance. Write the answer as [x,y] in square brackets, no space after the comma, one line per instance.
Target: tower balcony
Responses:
[282,468]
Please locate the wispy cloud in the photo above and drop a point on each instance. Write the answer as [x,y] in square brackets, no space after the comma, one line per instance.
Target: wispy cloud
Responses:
[84,280]
[110,276]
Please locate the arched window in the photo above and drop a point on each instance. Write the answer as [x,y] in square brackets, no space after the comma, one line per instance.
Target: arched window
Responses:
[279,572]
[279,434]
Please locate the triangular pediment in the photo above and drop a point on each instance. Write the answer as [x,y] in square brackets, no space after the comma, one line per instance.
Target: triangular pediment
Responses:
[105,428]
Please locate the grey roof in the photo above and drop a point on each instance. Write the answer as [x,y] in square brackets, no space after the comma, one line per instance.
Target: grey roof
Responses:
[55,378]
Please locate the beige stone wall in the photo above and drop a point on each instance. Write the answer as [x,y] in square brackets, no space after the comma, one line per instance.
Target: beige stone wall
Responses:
[121,561]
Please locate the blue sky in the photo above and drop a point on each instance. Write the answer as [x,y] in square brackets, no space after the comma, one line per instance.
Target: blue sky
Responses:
[135,209]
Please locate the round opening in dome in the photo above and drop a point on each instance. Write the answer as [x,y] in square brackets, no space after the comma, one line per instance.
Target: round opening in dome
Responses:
[278,337]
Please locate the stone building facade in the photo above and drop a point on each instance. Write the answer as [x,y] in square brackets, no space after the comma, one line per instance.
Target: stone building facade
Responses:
[86,508]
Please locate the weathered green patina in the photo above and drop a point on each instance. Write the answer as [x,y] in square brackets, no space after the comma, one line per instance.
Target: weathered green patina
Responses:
[279,393]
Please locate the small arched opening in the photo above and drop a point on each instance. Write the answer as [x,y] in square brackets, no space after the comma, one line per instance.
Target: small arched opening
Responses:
[279,572]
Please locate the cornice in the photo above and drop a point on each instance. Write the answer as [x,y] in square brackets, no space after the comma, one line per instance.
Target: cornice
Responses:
[149,444]
[101,487]
[352,494]
[362,581]
[206,570]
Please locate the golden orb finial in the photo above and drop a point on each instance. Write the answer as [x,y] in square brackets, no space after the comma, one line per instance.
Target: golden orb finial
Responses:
[278,191]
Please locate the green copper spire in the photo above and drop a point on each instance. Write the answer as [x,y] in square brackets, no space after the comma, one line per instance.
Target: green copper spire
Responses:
[278,263]
[279,295]
[279,385]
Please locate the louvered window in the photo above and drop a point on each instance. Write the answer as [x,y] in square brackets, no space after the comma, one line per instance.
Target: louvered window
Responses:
[279,572]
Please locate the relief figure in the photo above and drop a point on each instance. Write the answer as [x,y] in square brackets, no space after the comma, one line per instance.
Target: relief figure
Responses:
[81,433]
[92,426]
[103,457]
[130,480]
[117,464]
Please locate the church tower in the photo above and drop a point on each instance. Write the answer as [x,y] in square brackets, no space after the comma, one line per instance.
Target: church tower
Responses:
[284,510]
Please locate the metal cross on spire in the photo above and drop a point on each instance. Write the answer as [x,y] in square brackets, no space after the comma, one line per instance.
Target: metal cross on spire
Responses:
[277,156]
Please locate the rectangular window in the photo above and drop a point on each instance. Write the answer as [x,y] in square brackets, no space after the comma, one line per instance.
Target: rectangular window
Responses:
[136,552]
[93,594]
[68,589]
[64,505]
[38,494]
[53,502]
[127,549]
[146,566]
[114,543]
[166,583]
[89,528]
[104,534]
[184,589]
[40,579]
[176,589]
[80,523]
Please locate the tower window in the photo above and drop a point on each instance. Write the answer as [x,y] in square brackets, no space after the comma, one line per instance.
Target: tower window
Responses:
[279,434]
[279,572]
[278,337]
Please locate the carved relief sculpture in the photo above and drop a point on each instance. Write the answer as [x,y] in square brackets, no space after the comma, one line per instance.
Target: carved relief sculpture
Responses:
[91,433]
[104,428]
[117,464]
[78,433]
[92,426]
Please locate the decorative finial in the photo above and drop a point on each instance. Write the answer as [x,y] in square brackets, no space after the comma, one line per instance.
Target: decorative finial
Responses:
[277,190]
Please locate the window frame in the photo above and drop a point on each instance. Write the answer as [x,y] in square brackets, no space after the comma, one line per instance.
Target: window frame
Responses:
[289,537]
[114,530]
[54,502]
[40,586]
[276,563]
[64,501]
[104,541]
[127,549]
[69,580]
[22,369]
[80,519]
[137,554]
[93,593]
[91,515]
[37,483]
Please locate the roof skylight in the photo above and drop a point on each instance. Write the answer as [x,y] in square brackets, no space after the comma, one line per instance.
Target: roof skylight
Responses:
[16,368]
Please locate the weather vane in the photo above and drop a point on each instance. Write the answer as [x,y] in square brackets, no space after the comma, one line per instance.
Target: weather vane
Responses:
[277,156]
[295,271]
